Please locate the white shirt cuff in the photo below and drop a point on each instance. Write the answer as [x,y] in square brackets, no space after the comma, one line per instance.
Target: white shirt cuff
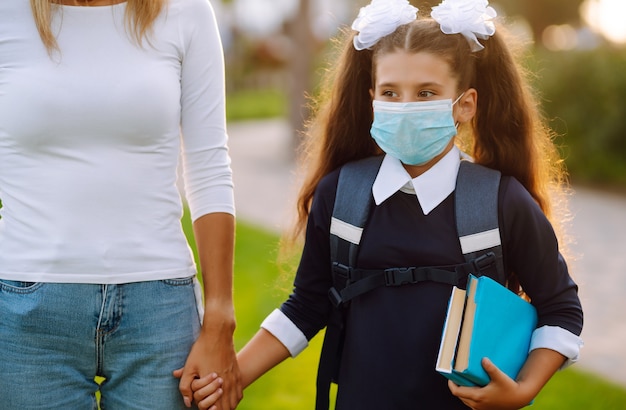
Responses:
[557,339]
[286,332]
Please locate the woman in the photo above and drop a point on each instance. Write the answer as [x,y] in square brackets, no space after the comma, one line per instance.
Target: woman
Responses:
[98,99]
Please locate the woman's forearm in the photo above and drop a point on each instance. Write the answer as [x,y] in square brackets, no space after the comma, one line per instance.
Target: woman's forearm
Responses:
[215,236]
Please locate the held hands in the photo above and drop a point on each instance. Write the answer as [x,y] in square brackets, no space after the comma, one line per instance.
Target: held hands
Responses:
[260,354]
[502,393]
[213,353]
[207,391]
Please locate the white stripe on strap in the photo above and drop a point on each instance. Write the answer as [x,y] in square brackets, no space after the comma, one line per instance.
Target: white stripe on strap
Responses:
[345,231]
[479,241]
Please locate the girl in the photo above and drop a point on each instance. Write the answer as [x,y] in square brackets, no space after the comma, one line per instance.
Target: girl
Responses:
[96,275]
[457,60]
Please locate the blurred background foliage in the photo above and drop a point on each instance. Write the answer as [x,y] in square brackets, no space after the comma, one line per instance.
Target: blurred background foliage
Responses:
[583,95]
[276,51]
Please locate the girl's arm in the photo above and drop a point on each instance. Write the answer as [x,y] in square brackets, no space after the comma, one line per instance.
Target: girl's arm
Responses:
[307,307]
[259,355]
[504,393]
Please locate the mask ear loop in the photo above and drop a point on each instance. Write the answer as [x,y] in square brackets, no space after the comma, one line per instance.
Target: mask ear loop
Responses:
[456,124]
[457,100]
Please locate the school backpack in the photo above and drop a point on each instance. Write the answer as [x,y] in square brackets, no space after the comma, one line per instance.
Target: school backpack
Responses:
[476,209]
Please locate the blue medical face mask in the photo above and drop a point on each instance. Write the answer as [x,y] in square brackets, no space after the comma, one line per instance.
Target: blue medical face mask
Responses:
[414,132]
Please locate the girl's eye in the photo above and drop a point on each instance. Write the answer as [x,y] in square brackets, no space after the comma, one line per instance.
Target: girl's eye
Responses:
[425,94]
[389,93]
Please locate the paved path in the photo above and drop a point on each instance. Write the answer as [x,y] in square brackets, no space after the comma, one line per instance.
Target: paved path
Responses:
[266,185]
[599,268]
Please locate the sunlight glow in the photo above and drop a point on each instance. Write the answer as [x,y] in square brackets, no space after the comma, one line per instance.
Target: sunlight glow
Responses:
[606,17]
[560,37]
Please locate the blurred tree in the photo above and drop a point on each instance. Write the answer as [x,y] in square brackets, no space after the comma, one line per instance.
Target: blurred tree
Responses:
[300,67]
[543,13]
[539,13]
[424,5]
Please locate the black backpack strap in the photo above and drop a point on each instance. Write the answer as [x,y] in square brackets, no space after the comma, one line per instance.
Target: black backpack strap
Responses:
[360,281]
[476,198]
[350,213]
[476,207]
[351,209]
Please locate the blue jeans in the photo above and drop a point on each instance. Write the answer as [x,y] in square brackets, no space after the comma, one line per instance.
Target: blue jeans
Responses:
[54,338]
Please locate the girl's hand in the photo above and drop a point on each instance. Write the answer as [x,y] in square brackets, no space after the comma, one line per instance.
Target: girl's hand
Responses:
[206,391]
[502,392]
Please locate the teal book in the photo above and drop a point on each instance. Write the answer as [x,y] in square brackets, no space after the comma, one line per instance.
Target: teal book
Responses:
[487,320]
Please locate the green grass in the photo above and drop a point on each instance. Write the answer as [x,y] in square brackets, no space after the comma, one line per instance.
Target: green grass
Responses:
[579,390]
[255,104]
[260,287]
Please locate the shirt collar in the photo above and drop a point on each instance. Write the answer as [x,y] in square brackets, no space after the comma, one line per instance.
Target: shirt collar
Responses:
[430,188]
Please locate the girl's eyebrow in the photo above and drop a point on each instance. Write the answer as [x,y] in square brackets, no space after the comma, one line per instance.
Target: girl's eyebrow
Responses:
[427,84]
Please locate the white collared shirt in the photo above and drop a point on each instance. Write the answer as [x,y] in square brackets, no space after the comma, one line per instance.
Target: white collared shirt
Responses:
[430,188]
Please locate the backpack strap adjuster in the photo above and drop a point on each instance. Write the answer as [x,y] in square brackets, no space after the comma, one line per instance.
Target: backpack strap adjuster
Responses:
[335,297]
[341,276]
[484,262]
[399,276]
[342,271]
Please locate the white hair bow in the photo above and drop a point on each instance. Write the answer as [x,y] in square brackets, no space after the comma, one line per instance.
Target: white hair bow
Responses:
[381,18]
[471,18]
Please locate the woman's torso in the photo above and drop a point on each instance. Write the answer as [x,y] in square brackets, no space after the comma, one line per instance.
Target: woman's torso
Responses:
[89,148]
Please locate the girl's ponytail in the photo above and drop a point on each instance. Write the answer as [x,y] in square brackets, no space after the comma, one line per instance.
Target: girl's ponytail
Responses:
[340,129]
[509,130]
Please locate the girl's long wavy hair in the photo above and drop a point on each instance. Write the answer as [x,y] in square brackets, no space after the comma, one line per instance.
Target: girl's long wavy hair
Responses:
[508,132]
[140,15]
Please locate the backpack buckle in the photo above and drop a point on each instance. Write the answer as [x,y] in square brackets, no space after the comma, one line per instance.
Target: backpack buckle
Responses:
[484,262]
[341,270]
[399,276]
[335,297]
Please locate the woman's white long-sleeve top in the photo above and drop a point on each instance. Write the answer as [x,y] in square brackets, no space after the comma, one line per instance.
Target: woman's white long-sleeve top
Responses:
[91,136]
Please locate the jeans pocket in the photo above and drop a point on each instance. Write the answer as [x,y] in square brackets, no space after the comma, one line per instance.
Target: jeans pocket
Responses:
[178,281]
[18,286]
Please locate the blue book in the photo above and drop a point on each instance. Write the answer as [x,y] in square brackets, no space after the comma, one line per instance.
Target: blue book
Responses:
[487,320]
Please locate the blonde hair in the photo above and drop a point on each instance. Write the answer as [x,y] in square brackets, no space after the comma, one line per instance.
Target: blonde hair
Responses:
[140,15]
